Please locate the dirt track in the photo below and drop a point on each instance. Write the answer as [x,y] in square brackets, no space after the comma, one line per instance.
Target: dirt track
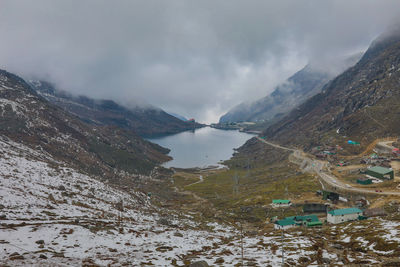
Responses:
[321,169]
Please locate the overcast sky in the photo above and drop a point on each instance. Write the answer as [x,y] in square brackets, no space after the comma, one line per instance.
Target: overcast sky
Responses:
[195,58]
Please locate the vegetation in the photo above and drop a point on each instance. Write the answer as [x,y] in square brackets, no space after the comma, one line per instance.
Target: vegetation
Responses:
[121,159]
[246,193]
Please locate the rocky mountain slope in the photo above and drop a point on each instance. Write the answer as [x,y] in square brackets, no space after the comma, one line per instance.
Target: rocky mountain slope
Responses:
[145,121]
[28,118]
[360,104]
[302,85]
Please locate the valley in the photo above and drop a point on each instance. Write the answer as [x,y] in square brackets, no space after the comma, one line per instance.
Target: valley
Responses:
[173,217]
[304,171]
[75,219]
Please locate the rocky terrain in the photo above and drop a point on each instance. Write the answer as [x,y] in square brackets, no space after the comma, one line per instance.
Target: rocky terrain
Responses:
[298,88]
[360,104]
[145,121]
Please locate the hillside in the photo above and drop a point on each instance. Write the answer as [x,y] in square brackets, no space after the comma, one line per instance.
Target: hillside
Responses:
[302,85]
[145,121]
[53,215]
[361,104]
[29,119]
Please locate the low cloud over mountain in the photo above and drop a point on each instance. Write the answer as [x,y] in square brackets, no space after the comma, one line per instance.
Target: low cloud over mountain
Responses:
[195,58]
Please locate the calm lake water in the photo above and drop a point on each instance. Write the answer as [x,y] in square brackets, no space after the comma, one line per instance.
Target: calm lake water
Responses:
[204,147]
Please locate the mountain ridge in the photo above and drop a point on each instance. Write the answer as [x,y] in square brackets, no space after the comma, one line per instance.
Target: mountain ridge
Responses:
[145,121]
[361,103]
[28,118]
[295,90]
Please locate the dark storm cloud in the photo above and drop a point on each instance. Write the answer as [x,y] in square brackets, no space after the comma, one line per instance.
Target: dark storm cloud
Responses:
[196,58]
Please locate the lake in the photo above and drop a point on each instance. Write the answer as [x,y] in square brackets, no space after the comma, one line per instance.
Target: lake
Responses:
[201,148]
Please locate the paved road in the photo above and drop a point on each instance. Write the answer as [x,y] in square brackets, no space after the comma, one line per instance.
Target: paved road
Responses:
[321,169]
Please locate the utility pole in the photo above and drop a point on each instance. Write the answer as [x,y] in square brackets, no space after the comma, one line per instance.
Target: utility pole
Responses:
[248,168]
[287,192]
[241,241]
[283,253]
[236,183]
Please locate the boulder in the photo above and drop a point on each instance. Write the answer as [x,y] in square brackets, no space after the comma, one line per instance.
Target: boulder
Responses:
[219,260]
[164,221]
[61,188]
[178,234]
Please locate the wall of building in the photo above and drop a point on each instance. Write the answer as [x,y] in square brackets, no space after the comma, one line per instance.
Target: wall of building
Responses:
[342,218]
[275,205]
[278,227]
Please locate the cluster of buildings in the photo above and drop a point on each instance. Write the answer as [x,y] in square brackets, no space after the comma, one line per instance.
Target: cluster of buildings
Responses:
[306,220]
[334,216]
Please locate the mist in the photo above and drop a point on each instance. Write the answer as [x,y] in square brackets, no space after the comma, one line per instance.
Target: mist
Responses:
[194,58]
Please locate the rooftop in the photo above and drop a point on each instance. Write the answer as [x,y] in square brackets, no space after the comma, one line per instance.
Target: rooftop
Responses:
[344,211]
[314,223]
[380,170]
[285,222]
[280,201]
[308,218]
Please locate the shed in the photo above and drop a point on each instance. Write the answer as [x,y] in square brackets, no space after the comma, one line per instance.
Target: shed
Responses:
[374,212]
[330,195]
[343,215]
[314,224]
[284,224]
[381,172]
[364,181]
[314,207]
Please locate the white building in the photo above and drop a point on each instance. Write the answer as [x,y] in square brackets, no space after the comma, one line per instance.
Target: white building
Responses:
[284,224]
[281,203]
[343,215]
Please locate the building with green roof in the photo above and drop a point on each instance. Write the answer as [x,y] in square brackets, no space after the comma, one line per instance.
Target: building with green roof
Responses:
[298,220]
[314,224]
[364,181]
[343,215]
[304,220]
[284,224]
[380,172]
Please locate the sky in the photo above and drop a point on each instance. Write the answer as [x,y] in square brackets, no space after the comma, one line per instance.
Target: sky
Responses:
[194,58]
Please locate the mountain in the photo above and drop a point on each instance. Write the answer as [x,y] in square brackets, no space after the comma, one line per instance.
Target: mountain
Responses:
[298,88]
[178,116]
[29,119]
[145,121]
[360,104]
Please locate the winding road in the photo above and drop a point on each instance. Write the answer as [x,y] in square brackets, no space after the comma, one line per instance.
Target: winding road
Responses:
[321,169]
